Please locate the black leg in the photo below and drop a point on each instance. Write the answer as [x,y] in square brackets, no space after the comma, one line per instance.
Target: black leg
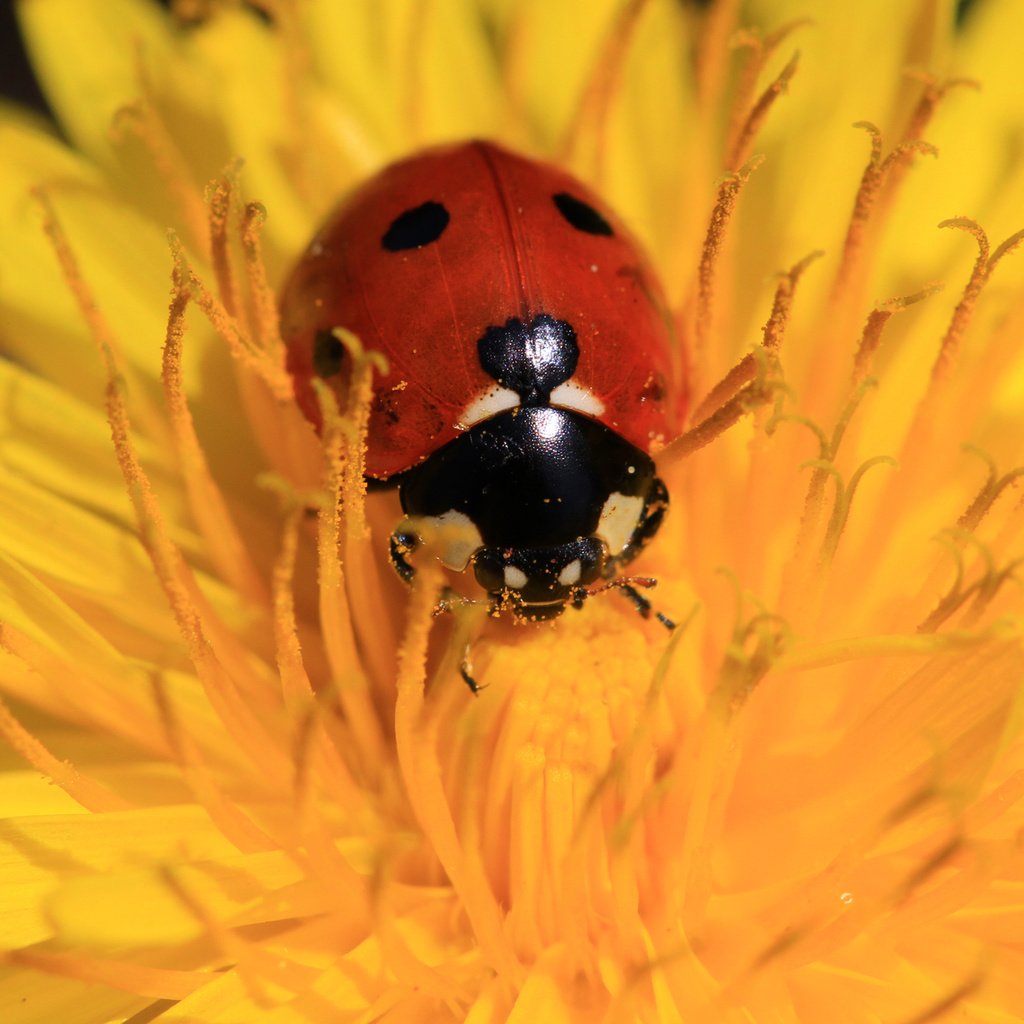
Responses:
[466,671]
[643,605]
[403,544]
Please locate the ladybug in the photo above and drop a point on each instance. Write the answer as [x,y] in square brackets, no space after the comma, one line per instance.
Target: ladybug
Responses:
[532,368]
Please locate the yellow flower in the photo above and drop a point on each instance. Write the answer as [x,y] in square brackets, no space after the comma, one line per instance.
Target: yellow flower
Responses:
[246,781]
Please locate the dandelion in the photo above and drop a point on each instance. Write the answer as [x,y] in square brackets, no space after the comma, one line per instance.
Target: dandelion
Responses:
[243,779]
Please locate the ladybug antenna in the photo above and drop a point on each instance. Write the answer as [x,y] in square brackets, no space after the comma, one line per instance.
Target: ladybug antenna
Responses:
[630,588]
[449,599]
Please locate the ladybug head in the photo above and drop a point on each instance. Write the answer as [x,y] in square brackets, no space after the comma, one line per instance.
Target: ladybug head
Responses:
[537,583]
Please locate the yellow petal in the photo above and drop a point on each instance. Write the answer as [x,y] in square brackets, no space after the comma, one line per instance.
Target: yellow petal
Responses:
[434,69]
[40,852]
[56,444]
[95,56]
[258,101]
[227,889]
[29,793]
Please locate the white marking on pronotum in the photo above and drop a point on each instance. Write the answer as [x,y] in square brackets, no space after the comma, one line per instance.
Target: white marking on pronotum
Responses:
[571,395]
[571,573]
[458,536]
[515,578]
[490,403]
[619,518]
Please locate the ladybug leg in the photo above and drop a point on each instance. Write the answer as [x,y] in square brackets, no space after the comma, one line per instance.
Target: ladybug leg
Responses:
[448,600]
[403,543]
[466,671]
[643,605]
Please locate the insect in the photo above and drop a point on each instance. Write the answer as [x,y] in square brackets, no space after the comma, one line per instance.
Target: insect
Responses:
[531,369]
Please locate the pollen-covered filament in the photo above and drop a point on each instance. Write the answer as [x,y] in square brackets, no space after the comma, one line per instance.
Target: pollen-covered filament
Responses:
[549,755]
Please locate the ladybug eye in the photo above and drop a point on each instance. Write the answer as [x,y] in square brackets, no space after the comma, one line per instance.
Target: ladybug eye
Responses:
[582,216]
[421,225]
[328,354]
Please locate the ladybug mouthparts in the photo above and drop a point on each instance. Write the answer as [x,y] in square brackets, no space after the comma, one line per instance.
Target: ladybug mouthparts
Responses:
[537,583]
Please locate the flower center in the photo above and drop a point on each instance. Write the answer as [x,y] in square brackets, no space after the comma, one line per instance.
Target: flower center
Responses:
[562,754]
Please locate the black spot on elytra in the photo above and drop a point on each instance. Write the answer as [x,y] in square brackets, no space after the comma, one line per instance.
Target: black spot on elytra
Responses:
[328,354]
[385,404]
[582,216]
[419,226]
[654,388]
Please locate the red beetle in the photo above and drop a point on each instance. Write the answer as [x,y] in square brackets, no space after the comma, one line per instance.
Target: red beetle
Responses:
[531,367]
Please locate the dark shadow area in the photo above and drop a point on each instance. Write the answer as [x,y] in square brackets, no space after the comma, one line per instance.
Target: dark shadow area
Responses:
[17,82]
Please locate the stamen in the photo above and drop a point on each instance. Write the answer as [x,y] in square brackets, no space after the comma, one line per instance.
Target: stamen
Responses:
[756,644]
[750,397]
[87,792]
[249,325]
[933,403]
[634,744]
[759,52]
[241,345]
[841,508]
[804,575]
[698,312]
[99,696]
[108,346]
[983,267]
[830,449]
[191,611]
[265,315]
[143,121]
[416,744]
[849,649]
[851,267]
[773,331]
[220,200]
[230,944]
[357,424]
[224,542]
[295,684]
[374,620]
[739,152]
[871,337]
[982,590]
[316,738]
[712,58]
[229,818]
[931,95]
[593,110]
[336,619]
[993,487]
[413,970]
